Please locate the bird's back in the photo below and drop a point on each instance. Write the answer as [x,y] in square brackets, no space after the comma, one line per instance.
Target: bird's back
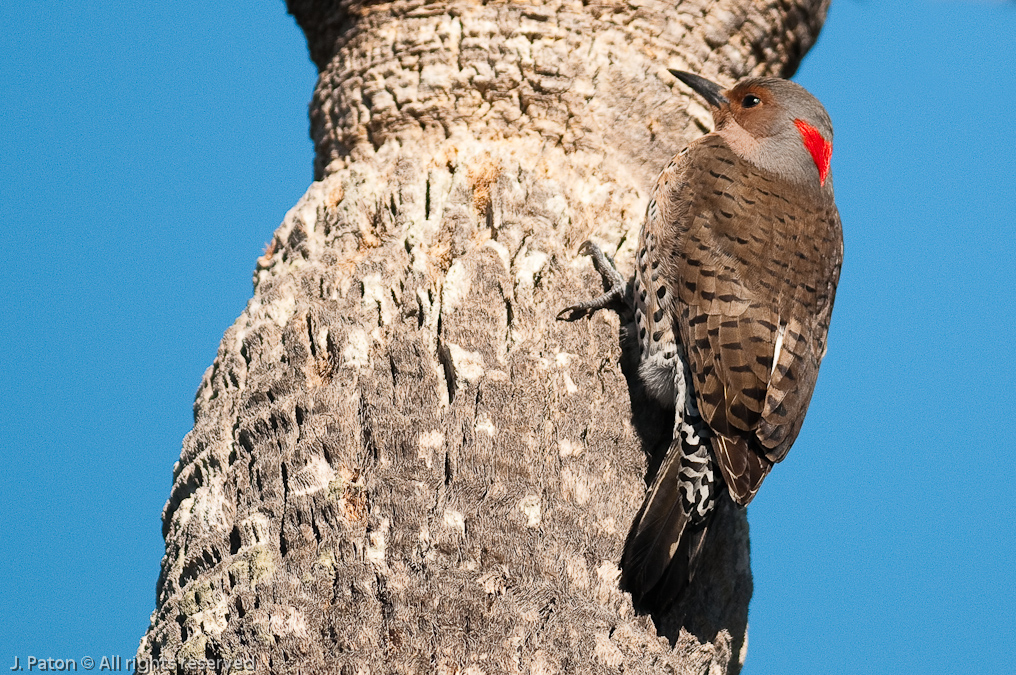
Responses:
[740,266]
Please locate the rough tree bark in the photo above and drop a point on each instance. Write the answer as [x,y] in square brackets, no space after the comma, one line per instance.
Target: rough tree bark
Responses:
[400,461]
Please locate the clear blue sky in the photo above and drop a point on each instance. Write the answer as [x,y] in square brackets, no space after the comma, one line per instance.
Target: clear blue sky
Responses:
[150,150]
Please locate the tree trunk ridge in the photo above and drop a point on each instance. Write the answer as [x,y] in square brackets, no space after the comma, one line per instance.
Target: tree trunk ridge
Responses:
[401,462]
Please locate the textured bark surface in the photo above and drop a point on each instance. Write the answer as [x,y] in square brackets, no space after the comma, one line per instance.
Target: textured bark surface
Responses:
[400,461]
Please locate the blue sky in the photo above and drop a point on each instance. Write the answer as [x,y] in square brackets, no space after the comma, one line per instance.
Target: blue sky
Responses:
[149,151]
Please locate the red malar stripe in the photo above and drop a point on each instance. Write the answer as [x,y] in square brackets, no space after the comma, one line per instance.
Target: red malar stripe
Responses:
[821,150]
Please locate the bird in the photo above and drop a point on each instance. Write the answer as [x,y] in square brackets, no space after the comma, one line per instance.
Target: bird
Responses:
[736,272]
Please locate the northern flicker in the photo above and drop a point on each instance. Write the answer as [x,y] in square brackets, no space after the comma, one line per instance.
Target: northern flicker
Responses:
[735,276]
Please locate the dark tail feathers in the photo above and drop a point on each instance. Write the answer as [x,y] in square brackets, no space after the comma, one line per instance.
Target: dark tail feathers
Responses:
[665,542]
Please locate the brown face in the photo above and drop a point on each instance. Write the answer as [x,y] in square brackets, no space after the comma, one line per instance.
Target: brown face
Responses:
[754,109]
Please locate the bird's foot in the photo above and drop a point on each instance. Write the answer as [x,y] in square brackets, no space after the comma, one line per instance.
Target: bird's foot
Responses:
[616,295]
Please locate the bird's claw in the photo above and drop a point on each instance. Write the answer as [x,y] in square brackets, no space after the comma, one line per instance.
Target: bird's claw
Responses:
[616,293]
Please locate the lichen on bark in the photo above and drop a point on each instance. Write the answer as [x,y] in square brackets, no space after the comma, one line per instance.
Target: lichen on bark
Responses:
[400,461]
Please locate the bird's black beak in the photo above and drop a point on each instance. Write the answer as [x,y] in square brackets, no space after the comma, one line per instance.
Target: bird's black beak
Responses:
[710,91]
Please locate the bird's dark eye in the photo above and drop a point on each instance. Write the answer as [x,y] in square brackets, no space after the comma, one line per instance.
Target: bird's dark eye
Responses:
[750,101]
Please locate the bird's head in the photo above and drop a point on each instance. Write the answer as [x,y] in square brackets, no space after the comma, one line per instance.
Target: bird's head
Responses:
[774,124]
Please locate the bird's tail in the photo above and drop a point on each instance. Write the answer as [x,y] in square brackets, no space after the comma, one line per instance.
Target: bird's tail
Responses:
[666,539]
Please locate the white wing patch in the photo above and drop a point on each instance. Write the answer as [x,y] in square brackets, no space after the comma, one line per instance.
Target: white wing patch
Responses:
[779,348]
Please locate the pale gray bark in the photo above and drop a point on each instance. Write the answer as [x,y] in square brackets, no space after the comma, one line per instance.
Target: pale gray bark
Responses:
[400,461]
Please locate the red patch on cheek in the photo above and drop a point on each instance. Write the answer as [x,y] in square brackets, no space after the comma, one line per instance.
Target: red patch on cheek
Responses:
[821,150]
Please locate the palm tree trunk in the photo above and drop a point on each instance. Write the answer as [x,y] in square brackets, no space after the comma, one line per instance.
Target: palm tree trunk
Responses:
[401,462]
